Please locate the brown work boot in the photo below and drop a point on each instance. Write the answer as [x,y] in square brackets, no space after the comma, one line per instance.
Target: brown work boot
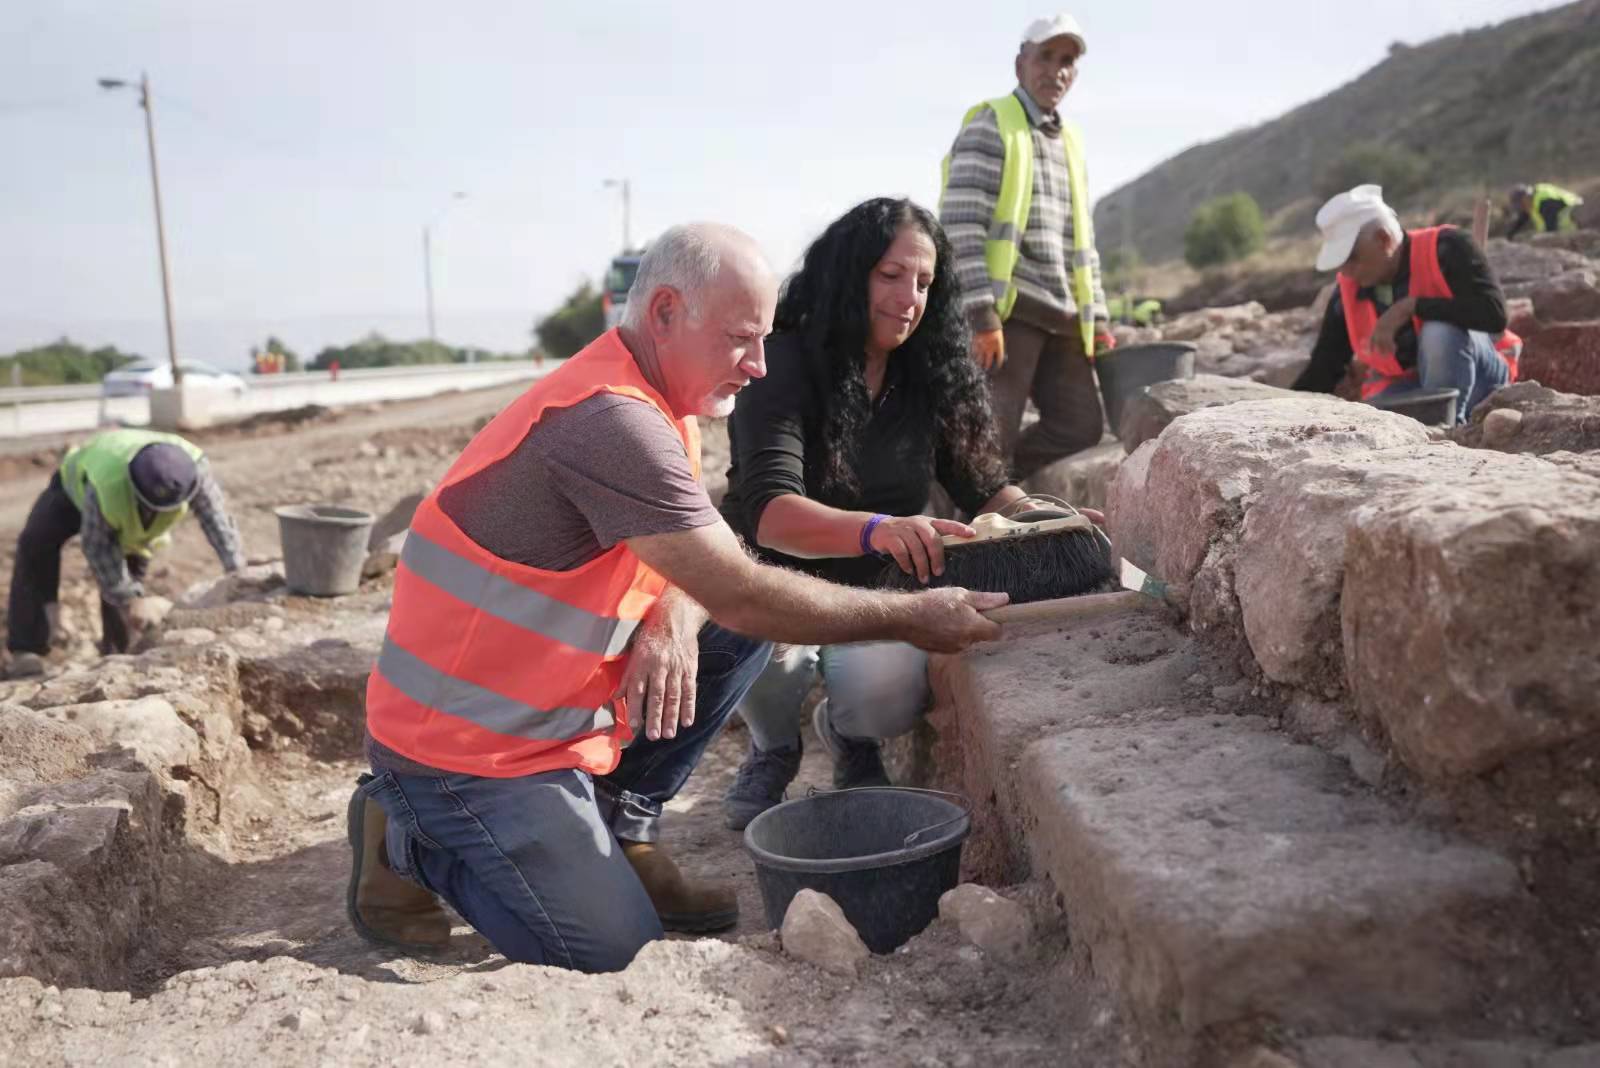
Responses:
[383,907]
[682,904]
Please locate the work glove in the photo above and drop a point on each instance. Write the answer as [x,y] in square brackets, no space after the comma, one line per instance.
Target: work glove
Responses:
[989,349]
[1104,340]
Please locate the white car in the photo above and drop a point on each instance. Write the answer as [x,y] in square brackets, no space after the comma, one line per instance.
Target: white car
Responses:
[138,379]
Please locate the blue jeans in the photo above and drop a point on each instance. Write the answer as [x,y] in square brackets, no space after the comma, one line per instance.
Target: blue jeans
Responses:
[1449,357]
[533,863]
[875,690]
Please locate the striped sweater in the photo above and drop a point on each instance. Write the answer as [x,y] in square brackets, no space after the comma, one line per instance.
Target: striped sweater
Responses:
[1043,274]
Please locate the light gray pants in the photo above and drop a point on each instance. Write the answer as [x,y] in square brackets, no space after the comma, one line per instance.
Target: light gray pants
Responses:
[875,690]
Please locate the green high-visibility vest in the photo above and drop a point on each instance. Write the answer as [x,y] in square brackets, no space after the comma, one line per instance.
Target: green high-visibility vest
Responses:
[1545,191]
[102,462]
[1002,249]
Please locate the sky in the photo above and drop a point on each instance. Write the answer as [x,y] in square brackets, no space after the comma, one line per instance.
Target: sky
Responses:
[304,144]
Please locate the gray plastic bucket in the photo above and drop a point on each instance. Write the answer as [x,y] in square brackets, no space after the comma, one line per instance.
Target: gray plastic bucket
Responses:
[1126,371]
[1434,407]
[883,853]
[324,546]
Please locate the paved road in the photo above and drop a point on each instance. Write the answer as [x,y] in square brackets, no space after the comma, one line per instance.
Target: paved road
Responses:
[58,417]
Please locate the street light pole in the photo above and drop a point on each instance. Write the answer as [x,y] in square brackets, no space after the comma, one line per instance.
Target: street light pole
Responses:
[161,229]
[427,261]
[627,209]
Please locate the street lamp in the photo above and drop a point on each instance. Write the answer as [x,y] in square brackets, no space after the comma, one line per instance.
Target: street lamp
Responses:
[161,230]
[627,209]
[427,259]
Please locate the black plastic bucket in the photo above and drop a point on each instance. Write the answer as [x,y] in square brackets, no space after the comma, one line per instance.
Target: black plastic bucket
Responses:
[884,853]
[1125,371]
[1434,407]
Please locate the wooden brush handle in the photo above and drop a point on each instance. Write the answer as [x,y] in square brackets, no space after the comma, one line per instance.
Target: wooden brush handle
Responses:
[1064,609]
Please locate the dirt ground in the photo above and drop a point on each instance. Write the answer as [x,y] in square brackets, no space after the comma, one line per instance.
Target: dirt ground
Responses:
[253,956]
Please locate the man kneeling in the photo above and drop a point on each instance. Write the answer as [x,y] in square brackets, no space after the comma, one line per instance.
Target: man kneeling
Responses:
[558,572]
[1418,310]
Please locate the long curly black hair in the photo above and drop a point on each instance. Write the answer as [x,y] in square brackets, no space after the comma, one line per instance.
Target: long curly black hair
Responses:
[824,304]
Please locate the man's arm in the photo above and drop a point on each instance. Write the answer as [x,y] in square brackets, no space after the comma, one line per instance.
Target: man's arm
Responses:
[212,512]
[1331,355]
[658,685]
[977,164]
[1476,301]
[103,550]
[1523,220]
[710,565]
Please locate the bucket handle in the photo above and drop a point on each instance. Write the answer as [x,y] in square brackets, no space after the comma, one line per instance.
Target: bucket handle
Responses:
[915,836]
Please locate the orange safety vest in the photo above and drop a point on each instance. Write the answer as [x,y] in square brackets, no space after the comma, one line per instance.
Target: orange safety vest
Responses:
[1427,282]
[499,669]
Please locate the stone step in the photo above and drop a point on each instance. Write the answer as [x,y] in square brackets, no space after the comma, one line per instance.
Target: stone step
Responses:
[1216,871]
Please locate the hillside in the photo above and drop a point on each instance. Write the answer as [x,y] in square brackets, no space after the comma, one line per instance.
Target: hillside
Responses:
[1515,101]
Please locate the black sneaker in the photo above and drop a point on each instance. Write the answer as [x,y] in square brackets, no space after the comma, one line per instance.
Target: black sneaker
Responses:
[855,762]
[762,779]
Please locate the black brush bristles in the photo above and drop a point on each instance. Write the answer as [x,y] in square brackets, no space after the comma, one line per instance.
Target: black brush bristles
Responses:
[1031,567]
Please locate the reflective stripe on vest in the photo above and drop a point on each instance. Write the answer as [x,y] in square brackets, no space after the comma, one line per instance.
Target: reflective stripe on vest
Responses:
[1426,282]
[1002,248]
[494,668]
[1545,191]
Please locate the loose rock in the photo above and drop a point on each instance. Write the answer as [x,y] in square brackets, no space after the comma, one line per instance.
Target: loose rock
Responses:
[815,930]
[998,926]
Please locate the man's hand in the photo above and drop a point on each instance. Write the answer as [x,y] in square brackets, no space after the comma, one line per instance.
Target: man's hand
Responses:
[989,348]
[1104,339]
[913,541]
[1390,323]
[658,684]
[949,620]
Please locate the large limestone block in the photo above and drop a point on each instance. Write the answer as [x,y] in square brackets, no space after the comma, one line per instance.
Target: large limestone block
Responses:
[79,873]
[1081,479]
[150,728]
[1177,503]
[1471,618]
[1218,872]
[1569,297]
[1565,357]
[1291,559]
[1147,414]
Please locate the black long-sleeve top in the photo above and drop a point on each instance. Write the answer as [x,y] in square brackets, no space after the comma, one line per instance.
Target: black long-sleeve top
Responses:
[776,437]
[1476,303]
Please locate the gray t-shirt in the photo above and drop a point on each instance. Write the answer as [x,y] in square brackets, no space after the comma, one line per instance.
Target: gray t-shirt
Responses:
[586,477]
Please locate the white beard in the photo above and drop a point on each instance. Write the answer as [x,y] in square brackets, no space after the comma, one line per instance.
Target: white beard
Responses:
[716,407]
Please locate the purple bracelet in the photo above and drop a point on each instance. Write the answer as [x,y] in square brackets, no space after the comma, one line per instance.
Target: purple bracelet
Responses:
[866,534]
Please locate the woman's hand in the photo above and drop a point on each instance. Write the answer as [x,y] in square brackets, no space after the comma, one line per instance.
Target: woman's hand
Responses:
[913,541]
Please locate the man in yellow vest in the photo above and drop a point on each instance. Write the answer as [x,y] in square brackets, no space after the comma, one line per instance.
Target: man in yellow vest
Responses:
[1544,207]
[123,491]
[1016,206]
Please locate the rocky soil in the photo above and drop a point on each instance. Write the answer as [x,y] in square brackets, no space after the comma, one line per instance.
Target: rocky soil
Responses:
[191,799]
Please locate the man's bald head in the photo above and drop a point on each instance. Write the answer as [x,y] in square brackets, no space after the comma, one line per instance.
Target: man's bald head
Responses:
[699,312]
[693,259]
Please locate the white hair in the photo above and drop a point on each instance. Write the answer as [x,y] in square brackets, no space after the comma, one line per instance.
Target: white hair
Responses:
[686,258]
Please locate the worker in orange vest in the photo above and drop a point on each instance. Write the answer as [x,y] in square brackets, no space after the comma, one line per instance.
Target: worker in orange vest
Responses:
[572,624]
[1416,310]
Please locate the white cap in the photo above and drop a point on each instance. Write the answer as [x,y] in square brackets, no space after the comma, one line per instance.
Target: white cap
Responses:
[1041,30]
[1341,220]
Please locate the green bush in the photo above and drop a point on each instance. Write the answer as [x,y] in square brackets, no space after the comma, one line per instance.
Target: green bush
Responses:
[375,350]
[578,321]
[1223,230]
[1401,172]
[63,363]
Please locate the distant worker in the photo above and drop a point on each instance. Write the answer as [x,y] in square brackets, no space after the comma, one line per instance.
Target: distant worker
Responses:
[1145,312]
[1545,207]
[1016,207]
[123,491]
[1417,310]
